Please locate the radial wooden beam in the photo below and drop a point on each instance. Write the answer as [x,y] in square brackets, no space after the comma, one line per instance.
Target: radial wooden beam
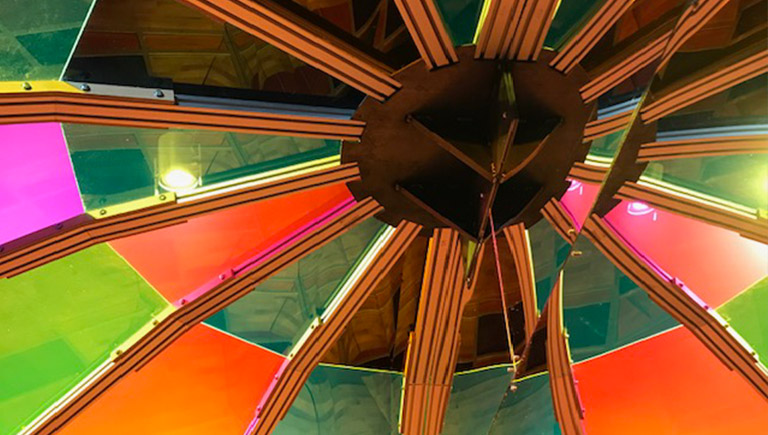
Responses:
[297,369]
[86,108]
[703,147]
[433,345]
[515,29]
[585,172]
[565,397]
[598,25]
[105,224]
[560,219]
[695,16]
[233,286]
[681,303]
[753,226]
[428,32]
[717,79]
[627,67]
[276,24]
[520,245]
[605,126]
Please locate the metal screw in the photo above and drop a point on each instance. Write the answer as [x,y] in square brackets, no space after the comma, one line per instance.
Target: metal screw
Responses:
[102,212]
[159,93]
[118,352]
[162,197]
[85,88]
[155,322]
[26,86]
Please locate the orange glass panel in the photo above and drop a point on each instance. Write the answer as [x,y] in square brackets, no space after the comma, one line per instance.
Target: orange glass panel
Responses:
[181,259]
[714,263]
[207,382]
[668,384]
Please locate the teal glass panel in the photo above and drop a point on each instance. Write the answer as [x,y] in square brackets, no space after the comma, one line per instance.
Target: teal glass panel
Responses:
[570,16]
[549,252]
[746,313]
[527,410]
[340,400]
[119,164]
[475,398]
[602,308]
[62,320]
[36,37]
[742,179]
[461,18]
[278,311]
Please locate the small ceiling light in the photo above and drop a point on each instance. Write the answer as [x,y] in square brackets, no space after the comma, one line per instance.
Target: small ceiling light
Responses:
[177,180]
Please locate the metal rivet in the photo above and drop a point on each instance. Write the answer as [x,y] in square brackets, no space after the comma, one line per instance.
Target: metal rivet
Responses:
[504,115]
[85,88]
[162,197]
[222,276]
[183,301]
[26,86]
[102,212]
[576,254]
[159,93]
[571,231]
[118,352]
[155,322]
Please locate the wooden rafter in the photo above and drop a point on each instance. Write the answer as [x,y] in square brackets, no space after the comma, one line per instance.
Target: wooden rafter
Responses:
[754,227]
[565,397]
[103,225]
[520,245]
[428,32]
[433,345]
[588,173]
[591,32]
[680,302]
[605,126]
[297,369]
[716,79]
[515,29]
[695,16]
[703,147]
[232,287]
[272,22]
[84,108]
[560,220]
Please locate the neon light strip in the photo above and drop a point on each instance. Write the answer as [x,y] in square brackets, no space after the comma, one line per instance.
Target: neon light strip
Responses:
[722,204]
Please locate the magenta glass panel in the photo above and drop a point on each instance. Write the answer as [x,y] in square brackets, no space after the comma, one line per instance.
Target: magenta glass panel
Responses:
[37,185]
[579,199]
[714,263]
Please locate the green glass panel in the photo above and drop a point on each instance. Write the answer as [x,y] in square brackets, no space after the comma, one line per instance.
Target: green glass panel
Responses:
[36,37]
[475,398]
[569,18]
[746,313]
[119,164]
[742,179]
[549,252]
[461,18]
[339,400]
[606,146]
[278,311]
[527,410]
[602,308]
[61,321]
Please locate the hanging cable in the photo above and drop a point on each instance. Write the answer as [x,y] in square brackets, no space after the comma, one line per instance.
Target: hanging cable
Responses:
[501,288]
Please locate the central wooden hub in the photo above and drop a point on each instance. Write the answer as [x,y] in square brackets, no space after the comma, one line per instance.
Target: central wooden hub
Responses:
[477,137]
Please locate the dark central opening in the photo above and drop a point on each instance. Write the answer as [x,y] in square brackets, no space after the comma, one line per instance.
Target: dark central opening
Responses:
[475,138]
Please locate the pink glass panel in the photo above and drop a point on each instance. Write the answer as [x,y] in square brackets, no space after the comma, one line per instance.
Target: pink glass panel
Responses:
[37,185]
[579,199]
[714,263]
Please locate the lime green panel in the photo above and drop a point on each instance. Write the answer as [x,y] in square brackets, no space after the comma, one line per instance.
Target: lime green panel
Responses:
[62,320]
[36,37]
[569,18]
[475,398]
[742,179]
[460,18]
[549,252]
[527,410]
[602,308]
[278,311]
[114,165]
[747,313]
[339,400]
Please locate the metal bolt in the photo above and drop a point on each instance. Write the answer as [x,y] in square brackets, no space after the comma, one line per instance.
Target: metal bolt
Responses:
[155,322]
[183,301]
[102,212]
[571,231]
[222,276]
[576,254]
[504,115]
[26,86]
[85,88]
[118,352]
[159,93]
[162,197]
